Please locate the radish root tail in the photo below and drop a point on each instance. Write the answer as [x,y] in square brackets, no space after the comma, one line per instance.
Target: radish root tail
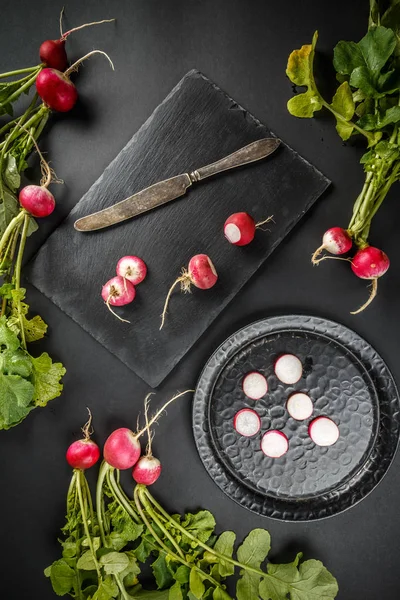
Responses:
[87,429]
[61,18]
[161,410]
[185,281]
[75,66]
[261,223]
[314,259]
[67,33]
[374,291]
[150,434]
[113,312]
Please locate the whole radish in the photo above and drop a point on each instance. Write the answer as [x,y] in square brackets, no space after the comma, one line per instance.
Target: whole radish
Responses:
[200,272]
[148,468]
[83,453]
[335,240]
[56,89]
[118,292]
[132,268]
[240,228]
[369,263]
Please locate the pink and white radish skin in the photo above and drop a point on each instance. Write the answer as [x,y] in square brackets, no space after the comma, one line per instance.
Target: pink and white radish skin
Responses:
[132,268]
[299,406]
[323,431]
[255,385]
[370,263]
[335,240]
[118,292]
[247,422]
[147,470]
[288,369]
[200,272]
[83,453]
[274,443]
[240,228]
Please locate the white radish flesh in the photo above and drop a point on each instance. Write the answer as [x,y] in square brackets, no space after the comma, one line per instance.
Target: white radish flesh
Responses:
[274,443]
[247,422]
[299,406]
[132,268]
[255,385]
[288,369]
[323,431]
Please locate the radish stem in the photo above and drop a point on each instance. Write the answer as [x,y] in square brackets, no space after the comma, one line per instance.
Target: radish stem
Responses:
[19,71]
[83,508]
[17,274]
[100,499]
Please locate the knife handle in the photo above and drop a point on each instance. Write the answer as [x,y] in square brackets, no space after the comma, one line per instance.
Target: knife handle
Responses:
[248,154]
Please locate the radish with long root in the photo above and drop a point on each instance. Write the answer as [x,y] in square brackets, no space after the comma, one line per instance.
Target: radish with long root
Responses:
[274,444]
[84,453]
[132,268]
[255,385]
[52,52]
[288,369]
[200,272]
[247,422]
[56,89]
[148,468]
[118,292]
[335,240]
[369,263]
[323,431]
[299,406]
[240,228]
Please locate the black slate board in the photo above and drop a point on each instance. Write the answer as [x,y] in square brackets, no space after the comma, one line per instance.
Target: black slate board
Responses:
[195,125]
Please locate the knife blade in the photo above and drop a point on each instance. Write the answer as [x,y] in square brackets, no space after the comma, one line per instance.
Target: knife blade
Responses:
[174,187]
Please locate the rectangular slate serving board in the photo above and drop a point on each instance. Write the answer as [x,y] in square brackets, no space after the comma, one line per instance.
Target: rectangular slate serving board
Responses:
[194,126]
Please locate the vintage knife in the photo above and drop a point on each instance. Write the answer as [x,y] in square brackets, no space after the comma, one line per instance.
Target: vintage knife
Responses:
[172,188]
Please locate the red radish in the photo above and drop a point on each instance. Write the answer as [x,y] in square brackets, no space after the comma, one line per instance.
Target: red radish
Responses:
[201,273]
[369,263]
[56,89]
[299,406]
[335,240]
[240,228]
[37,200]
[247,422]
[118,292]
[132,268]
[255,386]
[84,453]
[288,369]
[274,443]
[323,431]
[147,470]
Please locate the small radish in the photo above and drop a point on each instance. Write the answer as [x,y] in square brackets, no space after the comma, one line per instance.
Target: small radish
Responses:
[370,263]
[122,447]
[323,431]
[118,292]
[299,406]
[335,240]
[56,89]
[247,422]
[288,369]
[132,268]
[200,272]
[255,386]
[274,443]
[148,468]
[240,228]
[84,453]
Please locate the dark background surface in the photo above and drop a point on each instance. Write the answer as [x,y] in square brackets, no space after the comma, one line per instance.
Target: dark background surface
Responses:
[242,46]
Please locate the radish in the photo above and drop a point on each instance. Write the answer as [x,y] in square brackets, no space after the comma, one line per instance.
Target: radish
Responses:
[118,292]
[274,443]
[370,263]
[200,272]
[132,268]
[56,89]
[323,431]
[335,240]
[84,453]
[299,406]
[288,369]
[122,448]
[52,52]
[255,386]
[240,228]
[148,468]
[247,422]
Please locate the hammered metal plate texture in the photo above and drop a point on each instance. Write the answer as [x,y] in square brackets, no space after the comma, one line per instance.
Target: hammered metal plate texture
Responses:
[346,380]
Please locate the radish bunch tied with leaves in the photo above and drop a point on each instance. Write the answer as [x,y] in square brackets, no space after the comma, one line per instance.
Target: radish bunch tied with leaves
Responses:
[366,103]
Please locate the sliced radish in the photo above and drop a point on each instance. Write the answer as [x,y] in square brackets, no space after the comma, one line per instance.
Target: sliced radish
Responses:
[288,368]
[255,386]
[323,431]
[247,422]
[274,443]
[299,406]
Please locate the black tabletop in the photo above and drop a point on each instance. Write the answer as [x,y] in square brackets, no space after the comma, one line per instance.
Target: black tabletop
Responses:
[242,46]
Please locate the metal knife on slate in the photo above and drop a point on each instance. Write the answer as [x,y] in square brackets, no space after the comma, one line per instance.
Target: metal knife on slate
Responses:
[170,189]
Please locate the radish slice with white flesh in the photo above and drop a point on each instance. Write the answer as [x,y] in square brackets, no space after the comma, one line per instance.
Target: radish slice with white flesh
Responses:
[323,431]
[247,422]
[288,369]
[299,406]
[274,443]
[255,386]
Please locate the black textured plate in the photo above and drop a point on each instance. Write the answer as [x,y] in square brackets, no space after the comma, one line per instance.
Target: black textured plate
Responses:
[347,381]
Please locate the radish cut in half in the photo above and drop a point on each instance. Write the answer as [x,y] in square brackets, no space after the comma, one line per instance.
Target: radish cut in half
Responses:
[288,368]
[323,431]
[255,385]
[247,422]
[274,443]
[299,406]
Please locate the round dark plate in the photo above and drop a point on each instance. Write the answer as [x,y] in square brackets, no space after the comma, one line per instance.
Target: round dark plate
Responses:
[347,381]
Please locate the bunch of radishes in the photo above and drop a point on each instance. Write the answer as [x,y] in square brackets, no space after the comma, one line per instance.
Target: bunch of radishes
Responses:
[367,263]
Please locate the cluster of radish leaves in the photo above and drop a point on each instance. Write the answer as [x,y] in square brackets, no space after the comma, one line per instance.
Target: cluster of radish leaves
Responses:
[366,103]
